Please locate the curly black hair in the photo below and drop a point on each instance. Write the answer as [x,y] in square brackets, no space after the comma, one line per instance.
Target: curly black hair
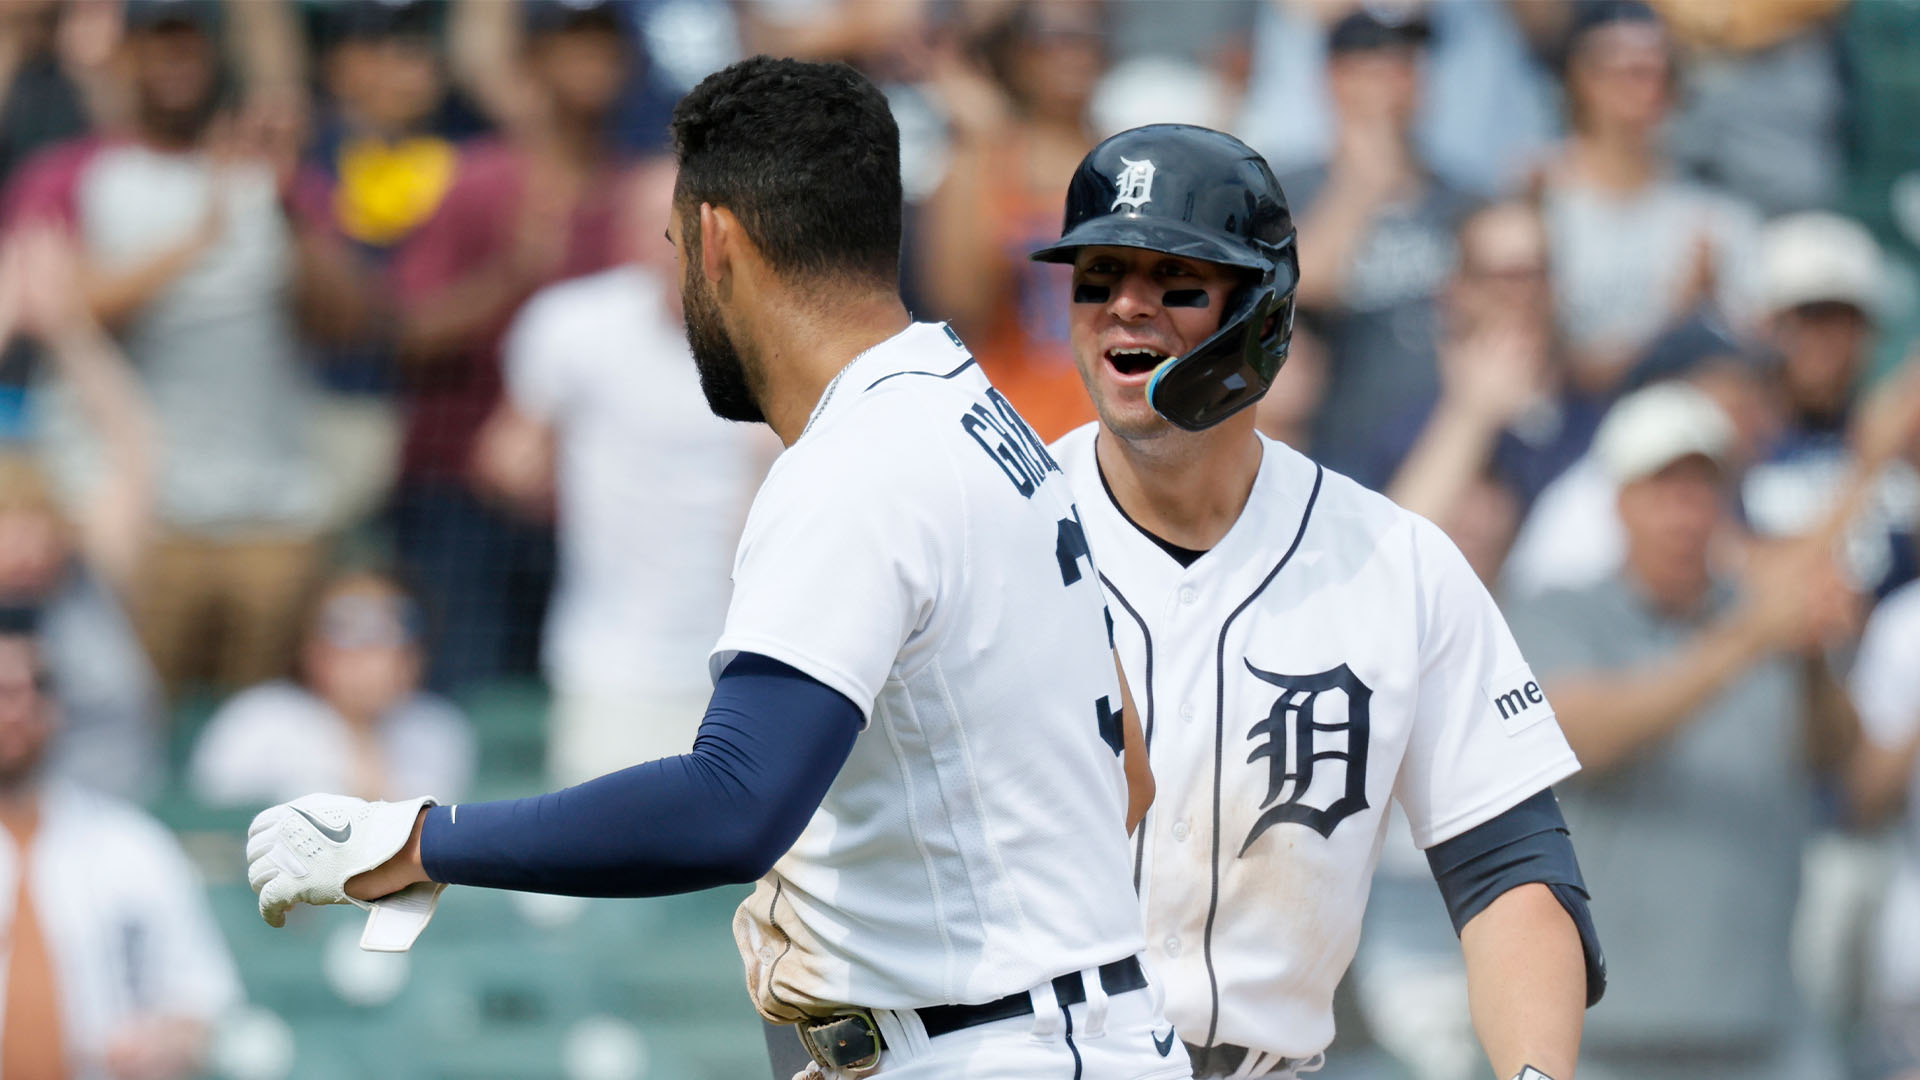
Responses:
[805,155]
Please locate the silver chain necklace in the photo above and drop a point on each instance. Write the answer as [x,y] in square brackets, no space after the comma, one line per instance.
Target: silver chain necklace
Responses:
[826,396]
[832,385]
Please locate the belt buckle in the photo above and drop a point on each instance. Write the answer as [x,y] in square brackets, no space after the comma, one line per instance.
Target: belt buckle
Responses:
[848,1044]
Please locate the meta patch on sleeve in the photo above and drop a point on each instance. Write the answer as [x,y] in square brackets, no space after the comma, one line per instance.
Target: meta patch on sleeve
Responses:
[1517,700]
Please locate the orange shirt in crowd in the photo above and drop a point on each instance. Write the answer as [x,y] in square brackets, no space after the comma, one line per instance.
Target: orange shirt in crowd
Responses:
[1026,352]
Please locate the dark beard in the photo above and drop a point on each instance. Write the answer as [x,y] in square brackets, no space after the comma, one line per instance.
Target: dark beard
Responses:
[180,127]
[21,774]
[21,752]
[723,375]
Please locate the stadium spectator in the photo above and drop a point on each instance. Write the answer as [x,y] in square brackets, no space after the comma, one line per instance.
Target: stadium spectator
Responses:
[1694,704]
[1571,536]
[40,100]
[1505,423]
[76,568]
[354,720]
[1002,197]
[1175,63]
[1635,248]
[1823,285]
[1855,487]
[381,159]
[114,967]
[491,46]
[1762,96]
[1376,239]
[524,210]
[1490,102]
[604,413]
[848,31]
[190,258]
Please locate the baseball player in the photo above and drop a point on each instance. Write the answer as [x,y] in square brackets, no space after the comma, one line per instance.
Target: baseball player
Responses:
[914,742]
[1304,651]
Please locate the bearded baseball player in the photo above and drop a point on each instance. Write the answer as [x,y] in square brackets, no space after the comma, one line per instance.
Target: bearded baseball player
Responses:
[1303,650]
[915,740]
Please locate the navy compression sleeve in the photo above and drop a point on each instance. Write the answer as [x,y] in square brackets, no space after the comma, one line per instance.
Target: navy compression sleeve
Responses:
[1527,843]
[772,741]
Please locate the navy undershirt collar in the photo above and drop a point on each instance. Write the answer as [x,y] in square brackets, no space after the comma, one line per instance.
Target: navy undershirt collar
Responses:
[1185,556]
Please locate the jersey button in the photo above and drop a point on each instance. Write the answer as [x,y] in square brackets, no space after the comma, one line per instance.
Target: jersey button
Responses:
[1186,710]
[1180,830]
[1172,946]
[1188,595]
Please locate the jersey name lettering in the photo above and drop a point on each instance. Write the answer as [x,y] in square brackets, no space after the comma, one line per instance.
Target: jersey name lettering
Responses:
[1012,445]
[1293,747]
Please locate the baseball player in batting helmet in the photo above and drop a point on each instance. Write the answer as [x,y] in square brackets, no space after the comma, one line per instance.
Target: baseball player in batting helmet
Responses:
[915,744]
[1303,651]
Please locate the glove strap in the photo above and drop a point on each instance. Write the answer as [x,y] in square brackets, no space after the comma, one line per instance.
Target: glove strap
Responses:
[395,922]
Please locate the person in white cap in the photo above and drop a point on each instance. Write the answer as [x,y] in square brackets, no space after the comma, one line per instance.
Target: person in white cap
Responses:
[1687,698]
[1823,284]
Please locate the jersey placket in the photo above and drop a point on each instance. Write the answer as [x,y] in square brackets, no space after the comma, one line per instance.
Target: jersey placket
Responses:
[1186,833]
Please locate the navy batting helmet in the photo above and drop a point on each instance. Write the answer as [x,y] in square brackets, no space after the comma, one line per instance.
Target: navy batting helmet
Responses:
[1205,195]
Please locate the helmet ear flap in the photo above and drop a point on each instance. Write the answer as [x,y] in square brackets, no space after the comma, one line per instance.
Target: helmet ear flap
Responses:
[1233,368]
[1268,332]
[1276,334]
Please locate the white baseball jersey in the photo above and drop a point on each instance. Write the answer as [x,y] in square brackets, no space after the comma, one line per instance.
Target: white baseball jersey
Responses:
[917,550]
[1332,652]
[125,922]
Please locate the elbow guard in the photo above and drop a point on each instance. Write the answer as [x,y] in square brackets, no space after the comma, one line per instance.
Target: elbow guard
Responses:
[1528,843]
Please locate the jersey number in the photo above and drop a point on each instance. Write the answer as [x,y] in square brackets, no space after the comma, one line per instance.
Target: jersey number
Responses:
[1069,547]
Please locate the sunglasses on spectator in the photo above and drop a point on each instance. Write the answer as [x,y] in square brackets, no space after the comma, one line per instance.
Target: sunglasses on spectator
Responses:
[1819,310]
[366,622]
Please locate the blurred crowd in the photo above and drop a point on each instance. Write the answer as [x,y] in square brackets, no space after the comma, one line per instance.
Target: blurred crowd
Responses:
[343,381]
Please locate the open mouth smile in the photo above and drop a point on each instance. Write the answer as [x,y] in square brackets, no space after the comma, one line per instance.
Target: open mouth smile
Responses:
[1134,361]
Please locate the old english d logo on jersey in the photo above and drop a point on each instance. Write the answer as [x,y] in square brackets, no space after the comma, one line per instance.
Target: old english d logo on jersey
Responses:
[1302,738]
[1135,184]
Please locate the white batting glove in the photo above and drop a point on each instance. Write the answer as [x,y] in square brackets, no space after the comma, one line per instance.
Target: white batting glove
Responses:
[305,851]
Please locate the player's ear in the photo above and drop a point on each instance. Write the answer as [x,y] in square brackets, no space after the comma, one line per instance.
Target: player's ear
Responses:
[718,233]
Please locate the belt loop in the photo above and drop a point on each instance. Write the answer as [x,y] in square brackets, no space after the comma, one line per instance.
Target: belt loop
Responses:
[1156,993]
[1047,1013]
[906,1036]
[1096,1021]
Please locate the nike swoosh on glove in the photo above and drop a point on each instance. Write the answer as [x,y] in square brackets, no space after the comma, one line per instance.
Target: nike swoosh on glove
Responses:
[305,851]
